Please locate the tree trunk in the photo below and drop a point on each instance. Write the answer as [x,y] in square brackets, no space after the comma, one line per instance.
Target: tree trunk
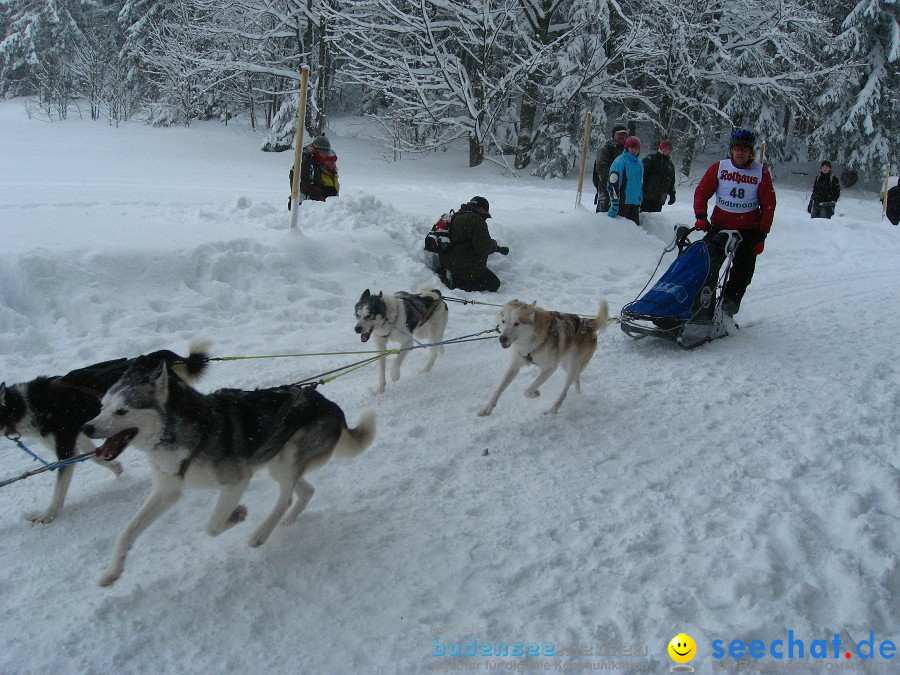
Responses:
[687,157]
[476,151]
[525,141]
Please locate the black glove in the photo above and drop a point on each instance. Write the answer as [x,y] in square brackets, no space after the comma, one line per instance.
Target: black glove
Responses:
[503,250]
[671,199]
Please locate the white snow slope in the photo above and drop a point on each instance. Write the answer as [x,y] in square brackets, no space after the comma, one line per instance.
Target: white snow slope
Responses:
[746,490]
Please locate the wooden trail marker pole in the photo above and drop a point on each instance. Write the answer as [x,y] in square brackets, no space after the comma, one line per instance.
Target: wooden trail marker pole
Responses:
[762,153]
[887,179]
[584,150]
[298,147]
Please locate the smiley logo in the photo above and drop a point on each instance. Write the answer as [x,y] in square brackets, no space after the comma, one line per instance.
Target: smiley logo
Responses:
[682,648]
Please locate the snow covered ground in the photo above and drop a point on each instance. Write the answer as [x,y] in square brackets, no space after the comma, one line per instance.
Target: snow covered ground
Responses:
[735,492]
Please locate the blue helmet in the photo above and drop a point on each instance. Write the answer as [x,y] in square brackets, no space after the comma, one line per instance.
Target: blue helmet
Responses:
[742,137]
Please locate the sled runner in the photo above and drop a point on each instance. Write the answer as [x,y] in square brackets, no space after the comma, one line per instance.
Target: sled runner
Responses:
[685,305]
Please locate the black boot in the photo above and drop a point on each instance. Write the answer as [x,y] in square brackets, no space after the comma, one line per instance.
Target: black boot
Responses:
[730,306]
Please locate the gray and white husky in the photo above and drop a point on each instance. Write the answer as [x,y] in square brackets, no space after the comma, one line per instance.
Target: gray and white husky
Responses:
[219,441]
[404,318]
[53,410]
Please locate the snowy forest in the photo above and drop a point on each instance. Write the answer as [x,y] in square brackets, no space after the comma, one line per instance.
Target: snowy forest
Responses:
[512,79]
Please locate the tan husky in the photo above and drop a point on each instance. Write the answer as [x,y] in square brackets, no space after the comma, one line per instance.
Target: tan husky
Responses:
[548,340]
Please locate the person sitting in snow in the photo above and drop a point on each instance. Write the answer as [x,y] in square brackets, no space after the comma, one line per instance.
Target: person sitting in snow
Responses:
[318,172]
[745,201]
[464,264]
[826,191]
[625,185]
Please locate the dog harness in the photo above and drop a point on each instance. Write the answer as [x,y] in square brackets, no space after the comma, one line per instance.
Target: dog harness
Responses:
[422,307]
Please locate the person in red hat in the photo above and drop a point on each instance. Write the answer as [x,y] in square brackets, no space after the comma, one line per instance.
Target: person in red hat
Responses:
[625,185]
[318,172]
[659,179]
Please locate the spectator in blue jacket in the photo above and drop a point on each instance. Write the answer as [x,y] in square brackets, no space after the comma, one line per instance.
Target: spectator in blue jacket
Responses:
[626,178]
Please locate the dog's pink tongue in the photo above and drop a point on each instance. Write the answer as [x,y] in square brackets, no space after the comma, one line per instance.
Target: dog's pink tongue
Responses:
[114,445]
[363,337]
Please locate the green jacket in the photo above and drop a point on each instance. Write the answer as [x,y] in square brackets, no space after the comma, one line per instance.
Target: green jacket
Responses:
[470,245]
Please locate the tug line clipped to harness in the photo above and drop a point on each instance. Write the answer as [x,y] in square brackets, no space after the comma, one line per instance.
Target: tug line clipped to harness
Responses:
[313,381]
[15,438]
[612,319]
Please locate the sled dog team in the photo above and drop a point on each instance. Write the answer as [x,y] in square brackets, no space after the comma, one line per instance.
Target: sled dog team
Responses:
[219,440]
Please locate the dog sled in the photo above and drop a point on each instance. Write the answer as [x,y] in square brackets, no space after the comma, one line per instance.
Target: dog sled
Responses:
[685,304]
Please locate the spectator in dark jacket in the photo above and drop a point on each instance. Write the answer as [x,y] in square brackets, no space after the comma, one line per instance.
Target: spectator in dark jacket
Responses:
[826,191]
[612,148]
[659,179]
[893,204]
[318,172]
[464,265]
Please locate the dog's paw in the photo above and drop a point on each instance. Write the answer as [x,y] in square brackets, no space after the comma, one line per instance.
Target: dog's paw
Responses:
[237,516]
[110,577]
[395,376]
[258,539]
[552,411]
[532,394]
[486,412]
[116,468]
[41,518]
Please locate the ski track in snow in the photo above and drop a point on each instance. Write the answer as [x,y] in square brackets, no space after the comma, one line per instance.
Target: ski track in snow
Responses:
[735,491]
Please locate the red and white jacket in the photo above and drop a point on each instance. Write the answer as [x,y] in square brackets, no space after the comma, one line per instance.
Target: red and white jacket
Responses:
[745,198]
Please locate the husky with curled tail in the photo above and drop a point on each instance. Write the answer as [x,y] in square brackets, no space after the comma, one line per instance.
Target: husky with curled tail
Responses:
[219,441]
[547,340]
[404,318]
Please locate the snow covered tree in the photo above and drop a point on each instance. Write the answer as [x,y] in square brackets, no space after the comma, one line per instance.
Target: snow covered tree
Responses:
[36,52]
[137,20]
[443,67]
[95,58]
[732,63]
[588,69]
[859,109]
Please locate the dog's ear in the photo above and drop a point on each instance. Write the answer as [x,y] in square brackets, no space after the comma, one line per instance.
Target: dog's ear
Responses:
[365,295]
[2,393]
[380,294]
[161,382]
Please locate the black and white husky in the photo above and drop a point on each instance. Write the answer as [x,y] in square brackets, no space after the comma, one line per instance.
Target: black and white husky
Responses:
[53,410]
[404,318]
[219,441]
